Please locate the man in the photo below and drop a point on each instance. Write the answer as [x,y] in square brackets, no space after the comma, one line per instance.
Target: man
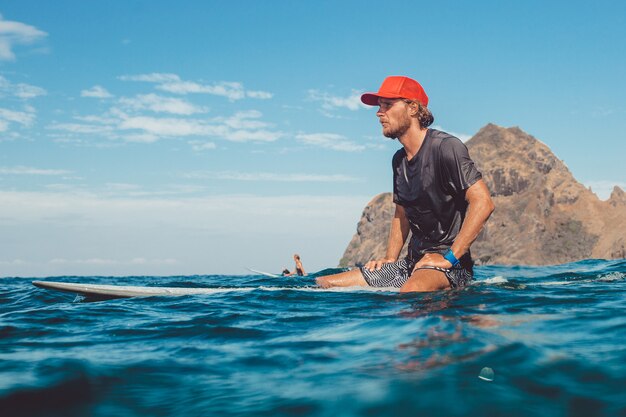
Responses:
[299,271]
[439,195]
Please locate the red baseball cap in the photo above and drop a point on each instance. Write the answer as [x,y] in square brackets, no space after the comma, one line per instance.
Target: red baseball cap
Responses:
[397,87]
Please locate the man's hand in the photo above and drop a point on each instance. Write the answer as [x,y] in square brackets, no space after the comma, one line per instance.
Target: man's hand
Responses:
[433,259]
[377,264]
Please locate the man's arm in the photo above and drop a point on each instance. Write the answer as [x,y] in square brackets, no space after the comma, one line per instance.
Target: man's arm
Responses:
[397,236]
[480,206]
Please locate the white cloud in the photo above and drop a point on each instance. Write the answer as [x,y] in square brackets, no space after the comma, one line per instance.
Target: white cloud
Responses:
[129,121]
[81,128]
[151,78]
[20,90]
[330,102]
[96,92]
[139,137]
[97,119]
[161,104]
[172,83]
[231,90]
[170,126]
[199,146]
[7,117]
[176,127]
[254,136]
[27,91]
[16,33]
[244,120]
[268,176]
[119,125]
[22,170]
[330,141]
[238,128]
[23,118]
[261,95]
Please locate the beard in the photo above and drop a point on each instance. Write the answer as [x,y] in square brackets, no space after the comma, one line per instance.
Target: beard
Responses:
[401,127]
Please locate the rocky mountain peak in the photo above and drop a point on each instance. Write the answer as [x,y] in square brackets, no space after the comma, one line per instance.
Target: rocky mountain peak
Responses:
[521,163]
[618,197]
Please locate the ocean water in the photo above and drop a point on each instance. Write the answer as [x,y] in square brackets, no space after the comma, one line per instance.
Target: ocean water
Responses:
[547,341]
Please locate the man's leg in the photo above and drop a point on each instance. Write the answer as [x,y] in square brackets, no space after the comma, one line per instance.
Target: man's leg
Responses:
[352,278]
[426,280]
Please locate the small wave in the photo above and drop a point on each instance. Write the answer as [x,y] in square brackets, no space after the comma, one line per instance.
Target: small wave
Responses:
[559,283]
[494,280]
[613,276]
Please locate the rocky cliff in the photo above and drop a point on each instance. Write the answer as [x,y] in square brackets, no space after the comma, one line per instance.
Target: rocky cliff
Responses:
[543,215]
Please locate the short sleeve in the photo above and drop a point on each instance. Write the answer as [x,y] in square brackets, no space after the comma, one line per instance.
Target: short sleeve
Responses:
[459,171]
[395,166]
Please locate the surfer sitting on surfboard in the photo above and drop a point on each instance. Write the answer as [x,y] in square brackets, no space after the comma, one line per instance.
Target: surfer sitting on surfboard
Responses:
[439,196]
[299,268]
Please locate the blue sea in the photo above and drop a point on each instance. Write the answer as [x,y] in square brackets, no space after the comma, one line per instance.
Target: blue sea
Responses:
[520,341]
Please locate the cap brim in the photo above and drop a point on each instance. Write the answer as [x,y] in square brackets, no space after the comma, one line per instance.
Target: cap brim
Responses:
[371,99]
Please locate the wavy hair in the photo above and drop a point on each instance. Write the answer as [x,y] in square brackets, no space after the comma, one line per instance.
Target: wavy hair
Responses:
[424,116]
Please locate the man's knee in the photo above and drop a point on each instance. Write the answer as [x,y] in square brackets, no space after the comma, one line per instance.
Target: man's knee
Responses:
[426,281]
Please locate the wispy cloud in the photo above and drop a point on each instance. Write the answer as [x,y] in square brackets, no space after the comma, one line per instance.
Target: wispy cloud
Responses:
[151,78]
[200,145]
[81,128]
[332,102]
[19,90]
[137,119]
[332,141]
[244,120]
[22,113]
[172,83]
[161,104]
[118,124]
[169,126]
[25,118]
[261,95]
[96,92]
[23,170]
[16,33]
[7,117]
[268,176]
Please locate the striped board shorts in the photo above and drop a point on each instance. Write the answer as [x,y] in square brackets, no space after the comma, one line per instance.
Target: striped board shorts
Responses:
[396,274]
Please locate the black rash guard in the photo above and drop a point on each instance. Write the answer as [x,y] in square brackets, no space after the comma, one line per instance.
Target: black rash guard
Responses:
[431,188]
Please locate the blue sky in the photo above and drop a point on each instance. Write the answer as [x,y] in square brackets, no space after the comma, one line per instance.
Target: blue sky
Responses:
[148,137]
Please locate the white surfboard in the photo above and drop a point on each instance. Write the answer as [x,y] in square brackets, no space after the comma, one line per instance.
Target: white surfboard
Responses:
[267,274]
[121,291]
[127,291]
